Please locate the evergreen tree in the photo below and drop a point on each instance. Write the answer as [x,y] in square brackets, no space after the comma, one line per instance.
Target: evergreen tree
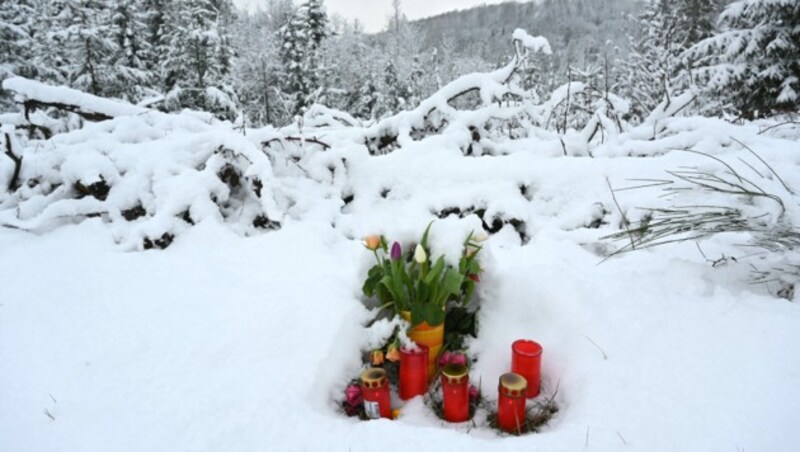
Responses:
[158,14]
[16,41]
[300,52]
[89,45]
[753,63]
[130,75]
[197,69]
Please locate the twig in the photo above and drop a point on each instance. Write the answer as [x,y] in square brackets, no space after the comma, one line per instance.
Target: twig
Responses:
[12,184]
[588,428]
[605,356]
[620,437]
[765,164]
[624,217]
[778,125]
[316,141]
[48,414]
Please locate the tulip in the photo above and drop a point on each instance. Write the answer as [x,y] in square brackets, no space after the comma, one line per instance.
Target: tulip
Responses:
[420,255]
[397,252]
[480,237]
[372,242]
[352,395]
[445,359]
[458,358]
[473,392]
[393,353]
[475,278]
[377,358]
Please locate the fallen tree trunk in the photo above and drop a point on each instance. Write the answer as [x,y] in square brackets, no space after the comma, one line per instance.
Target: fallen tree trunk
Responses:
[33,95]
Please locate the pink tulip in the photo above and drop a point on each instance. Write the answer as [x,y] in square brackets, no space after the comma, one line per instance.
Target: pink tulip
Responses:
[445,359]
[352,395]
[458,358]
[473,392]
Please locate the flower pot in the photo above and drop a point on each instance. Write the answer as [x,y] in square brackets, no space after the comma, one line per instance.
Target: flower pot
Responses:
[430,336]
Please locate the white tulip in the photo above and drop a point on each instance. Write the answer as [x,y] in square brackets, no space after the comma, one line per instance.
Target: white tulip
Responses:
[420,255]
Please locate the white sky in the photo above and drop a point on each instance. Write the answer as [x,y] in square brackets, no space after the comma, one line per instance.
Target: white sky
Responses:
[374,13]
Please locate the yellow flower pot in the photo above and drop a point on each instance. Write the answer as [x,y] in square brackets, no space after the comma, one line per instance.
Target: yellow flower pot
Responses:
[431,336]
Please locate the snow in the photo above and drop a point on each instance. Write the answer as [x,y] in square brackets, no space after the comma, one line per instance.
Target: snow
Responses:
[32,89]
[534,44]
[240,338]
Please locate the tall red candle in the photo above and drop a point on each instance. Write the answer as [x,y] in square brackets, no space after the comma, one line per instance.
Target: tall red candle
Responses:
[455,391]
[526,360]
[413,371]
[511,414]
[375,390]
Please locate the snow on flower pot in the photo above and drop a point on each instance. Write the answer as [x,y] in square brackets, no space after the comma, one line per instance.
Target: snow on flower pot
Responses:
[430,336]
[413,371]
[455,392]
[511,414]
[375,391]
[526,360]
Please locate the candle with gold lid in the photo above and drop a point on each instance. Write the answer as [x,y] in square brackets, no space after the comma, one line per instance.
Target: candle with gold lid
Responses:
[455,391]
[375,389]
[511,414]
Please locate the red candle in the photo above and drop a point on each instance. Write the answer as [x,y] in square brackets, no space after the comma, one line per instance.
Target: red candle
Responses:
[413,371]
[526,360]
[511,415]
[455,390]
[375,390]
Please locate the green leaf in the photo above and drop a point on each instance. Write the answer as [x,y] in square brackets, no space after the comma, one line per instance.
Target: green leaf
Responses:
[424,241]
[435,272]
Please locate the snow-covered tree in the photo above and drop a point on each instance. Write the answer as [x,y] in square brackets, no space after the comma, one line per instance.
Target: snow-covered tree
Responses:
[753,63]
[130,76]
[301,40]
[88,45]
[16,41]
[197,69]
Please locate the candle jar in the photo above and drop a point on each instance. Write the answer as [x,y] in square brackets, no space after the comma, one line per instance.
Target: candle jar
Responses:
[455,391]
[511,414]
[526,360]
[413,372]
[375,390]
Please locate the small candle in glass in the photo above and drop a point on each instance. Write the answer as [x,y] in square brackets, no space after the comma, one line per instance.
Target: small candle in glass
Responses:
[375,390]
[526,360]
[511,413]
[413,371]
[455,391]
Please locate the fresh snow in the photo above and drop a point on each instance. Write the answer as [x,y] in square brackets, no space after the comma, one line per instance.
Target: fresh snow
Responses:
[235,339]
[31,89]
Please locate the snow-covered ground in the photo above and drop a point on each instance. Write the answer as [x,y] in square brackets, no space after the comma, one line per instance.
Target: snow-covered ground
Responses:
[234,339]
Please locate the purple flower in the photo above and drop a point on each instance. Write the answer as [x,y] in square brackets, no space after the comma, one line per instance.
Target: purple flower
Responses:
[458,358]
[352,395]
[445,359]
[473,392]
[397,252]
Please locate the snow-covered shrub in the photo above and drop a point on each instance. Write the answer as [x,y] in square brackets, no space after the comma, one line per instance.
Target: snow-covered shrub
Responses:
[151,176]
[724,196]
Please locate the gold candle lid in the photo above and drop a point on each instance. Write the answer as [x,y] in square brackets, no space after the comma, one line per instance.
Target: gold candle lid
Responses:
[454,373]
[513,385]
[373,377]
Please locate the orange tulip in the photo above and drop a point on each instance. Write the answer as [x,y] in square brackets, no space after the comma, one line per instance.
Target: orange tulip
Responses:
[393,353]
[377,357]
[372,242]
